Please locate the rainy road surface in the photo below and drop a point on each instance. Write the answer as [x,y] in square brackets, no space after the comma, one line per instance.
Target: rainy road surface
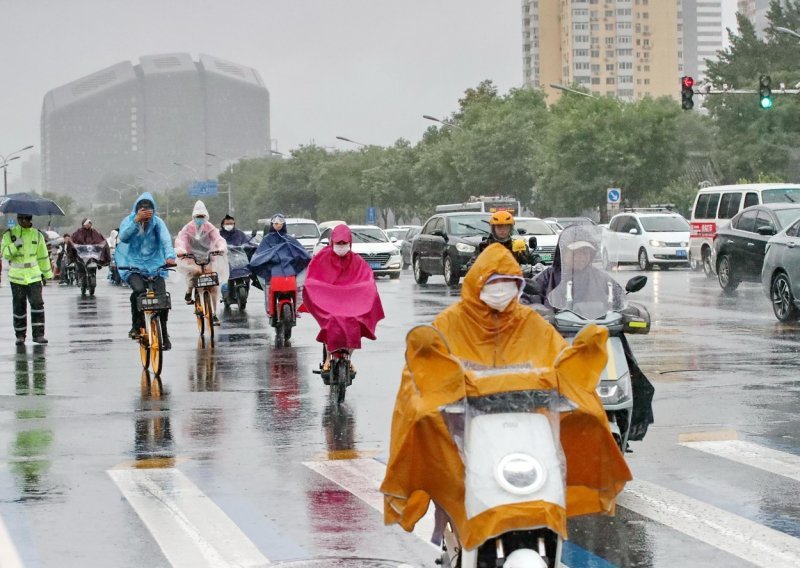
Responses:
[240,460]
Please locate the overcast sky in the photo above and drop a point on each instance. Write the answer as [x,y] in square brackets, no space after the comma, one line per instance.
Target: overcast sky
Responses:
[363,69]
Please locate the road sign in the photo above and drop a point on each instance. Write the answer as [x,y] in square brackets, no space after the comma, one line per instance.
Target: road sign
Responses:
[372,215]
[207,188]
[614,195]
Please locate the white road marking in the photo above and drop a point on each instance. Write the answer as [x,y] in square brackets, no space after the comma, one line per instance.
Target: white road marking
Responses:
[753,455]
[191,530]
[9,557]
[731,533]
[362,477]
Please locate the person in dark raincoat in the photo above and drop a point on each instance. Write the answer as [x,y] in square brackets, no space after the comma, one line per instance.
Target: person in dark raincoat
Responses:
[238,261]
[581,245]
[88,235]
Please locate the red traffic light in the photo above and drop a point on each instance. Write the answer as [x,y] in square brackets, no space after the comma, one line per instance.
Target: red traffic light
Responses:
[687,82]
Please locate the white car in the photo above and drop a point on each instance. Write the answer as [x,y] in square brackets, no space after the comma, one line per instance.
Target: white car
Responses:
[374,246]
[646,239]
[545,233]
[304,230]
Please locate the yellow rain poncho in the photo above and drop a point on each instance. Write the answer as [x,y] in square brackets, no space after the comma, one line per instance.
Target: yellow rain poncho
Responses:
[424,462]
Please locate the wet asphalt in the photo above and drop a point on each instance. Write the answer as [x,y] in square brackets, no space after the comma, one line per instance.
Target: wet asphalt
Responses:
[242,419]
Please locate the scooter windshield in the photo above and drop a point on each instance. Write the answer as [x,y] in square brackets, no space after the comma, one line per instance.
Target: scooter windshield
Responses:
[237,257]
[89,252]
[585,287]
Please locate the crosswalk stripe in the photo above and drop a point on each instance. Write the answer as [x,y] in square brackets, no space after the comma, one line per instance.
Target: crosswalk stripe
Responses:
[750,454]
[9,557]
[362,477]
[191,530]
[731,533]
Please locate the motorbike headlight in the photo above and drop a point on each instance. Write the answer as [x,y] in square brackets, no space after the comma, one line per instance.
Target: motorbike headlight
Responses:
[463,247]
[614,392]
[520,474]
[657,243]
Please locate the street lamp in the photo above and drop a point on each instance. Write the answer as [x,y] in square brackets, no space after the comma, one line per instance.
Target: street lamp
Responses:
[440,121]
[190,168]
[167,182]
[230,180]
[788,31]
[351,141]
[4,165]
[573,91]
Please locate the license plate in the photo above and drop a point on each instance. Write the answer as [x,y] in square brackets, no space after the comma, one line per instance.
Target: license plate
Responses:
[680,253]
[374,265]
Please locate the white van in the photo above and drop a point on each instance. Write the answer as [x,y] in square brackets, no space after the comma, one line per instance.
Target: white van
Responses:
[715,206]
[304,230]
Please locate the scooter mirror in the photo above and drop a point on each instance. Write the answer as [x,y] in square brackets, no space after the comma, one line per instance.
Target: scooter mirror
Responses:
[533,243]
[635,284]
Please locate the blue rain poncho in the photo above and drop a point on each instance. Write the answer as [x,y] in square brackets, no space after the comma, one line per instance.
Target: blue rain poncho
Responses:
[145,246]
[279,254]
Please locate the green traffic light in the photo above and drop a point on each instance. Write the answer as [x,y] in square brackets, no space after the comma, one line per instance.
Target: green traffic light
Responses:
[766,102]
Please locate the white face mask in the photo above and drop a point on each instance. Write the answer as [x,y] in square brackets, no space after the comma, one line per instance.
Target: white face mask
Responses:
[228,227]
[498,295]
[341,250]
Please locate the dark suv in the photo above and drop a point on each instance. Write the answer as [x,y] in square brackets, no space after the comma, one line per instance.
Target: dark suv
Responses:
[445,245]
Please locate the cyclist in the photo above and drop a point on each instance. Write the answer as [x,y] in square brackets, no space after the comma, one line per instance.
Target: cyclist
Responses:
[145,244]
[200,238]
[234,238]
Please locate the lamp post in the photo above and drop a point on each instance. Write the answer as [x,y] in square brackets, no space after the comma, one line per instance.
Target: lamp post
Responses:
[230,180]
[9,158]
[352,141]
[440,121]
[788,31]
[167,181]
[573,91]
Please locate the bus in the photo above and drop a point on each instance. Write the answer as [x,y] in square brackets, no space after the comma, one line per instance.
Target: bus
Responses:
[483,205]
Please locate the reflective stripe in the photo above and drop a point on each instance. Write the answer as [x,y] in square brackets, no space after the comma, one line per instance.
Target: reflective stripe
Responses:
[23,264]
[37,311]
[23,328]
[37,325]
[23,316]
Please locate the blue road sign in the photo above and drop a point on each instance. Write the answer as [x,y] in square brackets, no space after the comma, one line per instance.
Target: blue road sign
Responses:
[206,188]
[614,195]
[372,215]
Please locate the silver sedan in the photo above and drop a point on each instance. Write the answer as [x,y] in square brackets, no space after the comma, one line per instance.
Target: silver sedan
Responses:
[780,274]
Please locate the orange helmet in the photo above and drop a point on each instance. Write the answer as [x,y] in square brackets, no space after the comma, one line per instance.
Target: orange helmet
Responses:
[501,218]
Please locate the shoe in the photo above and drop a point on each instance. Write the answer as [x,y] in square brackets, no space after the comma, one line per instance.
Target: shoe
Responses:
[62,283]
[40,339]
[215,319]
[21,340]
[188,298]
[166,344]
[352,371]
[134,333]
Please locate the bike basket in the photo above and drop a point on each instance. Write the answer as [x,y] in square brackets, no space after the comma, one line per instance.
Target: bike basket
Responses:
[145,302]
[206,280]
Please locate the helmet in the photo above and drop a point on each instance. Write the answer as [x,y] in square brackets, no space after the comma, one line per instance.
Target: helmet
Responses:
[501,218]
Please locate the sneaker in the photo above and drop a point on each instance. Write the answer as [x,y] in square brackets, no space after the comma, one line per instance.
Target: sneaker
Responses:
[215,319]
[166,344]
[134,333]
[40,339]
[21,340]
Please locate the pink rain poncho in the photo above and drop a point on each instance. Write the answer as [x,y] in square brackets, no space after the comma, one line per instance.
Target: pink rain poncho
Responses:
[340,293]
[200,240]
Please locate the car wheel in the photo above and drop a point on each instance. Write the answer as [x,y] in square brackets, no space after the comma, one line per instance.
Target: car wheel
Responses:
[694,264]
[606,263]
[727,279]
[708,270]
[782,298]
[451,275]
[644,263]
[420,276]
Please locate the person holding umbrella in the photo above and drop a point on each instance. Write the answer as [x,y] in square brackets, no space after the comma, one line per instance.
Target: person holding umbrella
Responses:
[29,263]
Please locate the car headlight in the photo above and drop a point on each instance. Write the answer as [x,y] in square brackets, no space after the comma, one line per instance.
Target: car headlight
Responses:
[657,243]
[463,247]
[684,244]
[520,474]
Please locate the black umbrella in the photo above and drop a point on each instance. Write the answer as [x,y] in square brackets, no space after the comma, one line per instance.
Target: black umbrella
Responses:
[28,204]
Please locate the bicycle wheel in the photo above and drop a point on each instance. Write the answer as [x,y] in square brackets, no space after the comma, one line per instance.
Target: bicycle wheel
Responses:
[209,314]
[144,348]
[156,345]
[198,312]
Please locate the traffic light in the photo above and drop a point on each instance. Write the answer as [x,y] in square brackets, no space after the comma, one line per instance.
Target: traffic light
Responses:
[765,91]
[687,91]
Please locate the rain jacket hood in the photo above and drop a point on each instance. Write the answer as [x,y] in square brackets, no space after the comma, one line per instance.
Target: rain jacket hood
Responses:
[340,293]
[199,210]
[147,246]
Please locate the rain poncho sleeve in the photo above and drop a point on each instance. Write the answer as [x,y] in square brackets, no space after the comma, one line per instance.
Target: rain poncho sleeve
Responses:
[279,254]
[201,241]
[145,246]
[340,293]
[424,461]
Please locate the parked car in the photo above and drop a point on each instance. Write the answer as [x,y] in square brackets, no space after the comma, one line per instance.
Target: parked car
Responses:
[780,275]
[371,244]
[646,238]
[445,245]
[546,236]
[400,232]
[405,247]
[739,248]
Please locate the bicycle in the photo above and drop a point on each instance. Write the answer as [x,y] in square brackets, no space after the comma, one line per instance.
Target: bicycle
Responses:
[203,305]
[151,347]
[340,374]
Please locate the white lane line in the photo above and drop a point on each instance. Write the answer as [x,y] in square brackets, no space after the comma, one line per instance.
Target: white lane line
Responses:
[191,530]
[362,477]
[731,533]
[753,455]
[9,557]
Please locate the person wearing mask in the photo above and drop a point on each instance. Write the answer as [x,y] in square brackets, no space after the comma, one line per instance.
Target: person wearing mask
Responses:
[231,234]
[200,238]
[340,293]
[88,235]
[234,238]
[29,268]
[144,243]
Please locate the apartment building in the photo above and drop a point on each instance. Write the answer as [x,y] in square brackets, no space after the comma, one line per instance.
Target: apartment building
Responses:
[700,35]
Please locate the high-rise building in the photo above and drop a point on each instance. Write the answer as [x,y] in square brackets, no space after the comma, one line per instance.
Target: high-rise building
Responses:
[128,121]
[622,48]
[700,35]
[756,12]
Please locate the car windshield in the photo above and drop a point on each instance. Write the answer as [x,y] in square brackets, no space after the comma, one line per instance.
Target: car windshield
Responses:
[781,195]
[399,234]
[533,227]
[665,224]
[469,225]
[302,230]
[787,216]
[368,235]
